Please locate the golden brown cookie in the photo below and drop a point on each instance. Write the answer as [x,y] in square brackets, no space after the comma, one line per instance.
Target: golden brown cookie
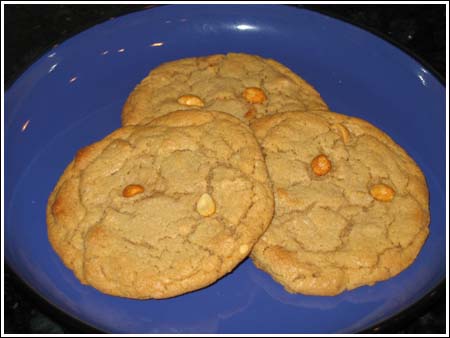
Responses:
[157,210]
[246,86]
[351,207]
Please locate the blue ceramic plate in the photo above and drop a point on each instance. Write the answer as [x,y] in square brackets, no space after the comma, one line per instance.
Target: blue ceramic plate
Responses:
[73,96]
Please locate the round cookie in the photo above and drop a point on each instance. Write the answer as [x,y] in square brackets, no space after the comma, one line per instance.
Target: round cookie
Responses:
[157,210]
[246,86]
[351,207]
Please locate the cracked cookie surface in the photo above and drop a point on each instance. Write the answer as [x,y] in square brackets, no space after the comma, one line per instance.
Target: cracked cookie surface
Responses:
[359,217]
[246,86]
[157,210]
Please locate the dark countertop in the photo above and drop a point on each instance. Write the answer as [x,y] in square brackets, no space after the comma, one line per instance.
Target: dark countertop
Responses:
[30,30]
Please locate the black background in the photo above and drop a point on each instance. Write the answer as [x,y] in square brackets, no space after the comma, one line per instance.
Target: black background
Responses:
[31,30]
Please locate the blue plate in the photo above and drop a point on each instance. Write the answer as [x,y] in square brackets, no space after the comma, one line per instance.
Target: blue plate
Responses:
[73,96]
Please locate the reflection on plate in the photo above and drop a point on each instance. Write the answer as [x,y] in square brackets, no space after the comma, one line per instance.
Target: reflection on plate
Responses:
[73,96]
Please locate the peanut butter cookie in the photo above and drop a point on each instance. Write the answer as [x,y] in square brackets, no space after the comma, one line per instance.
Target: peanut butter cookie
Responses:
[246,86]
[351,207]
[157,210]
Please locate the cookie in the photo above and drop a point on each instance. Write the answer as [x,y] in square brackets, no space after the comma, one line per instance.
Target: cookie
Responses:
[351,207]
[246,86]
[157,210]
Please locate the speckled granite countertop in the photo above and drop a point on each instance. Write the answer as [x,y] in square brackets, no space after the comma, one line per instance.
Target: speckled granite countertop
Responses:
[30,30]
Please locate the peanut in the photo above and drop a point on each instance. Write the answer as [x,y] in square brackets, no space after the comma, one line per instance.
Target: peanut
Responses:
[205,205]
[254,95]
[243,249]
[342,131]
[190,100]
[382,192]
[132,190]
[321,165]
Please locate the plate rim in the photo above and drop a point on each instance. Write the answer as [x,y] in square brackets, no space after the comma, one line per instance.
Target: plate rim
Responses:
[383,326]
